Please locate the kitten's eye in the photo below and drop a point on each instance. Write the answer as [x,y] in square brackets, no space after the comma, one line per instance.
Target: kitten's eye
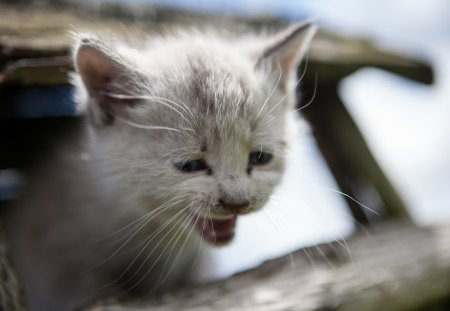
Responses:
[191,166]
[259,158]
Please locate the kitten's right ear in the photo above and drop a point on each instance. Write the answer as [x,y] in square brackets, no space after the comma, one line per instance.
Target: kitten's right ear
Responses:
[107,78]
[285,50]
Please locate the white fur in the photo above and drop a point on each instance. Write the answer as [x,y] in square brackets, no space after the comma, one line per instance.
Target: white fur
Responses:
[190,92]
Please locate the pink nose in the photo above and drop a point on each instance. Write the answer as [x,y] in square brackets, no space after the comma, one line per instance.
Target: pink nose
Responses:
[234,206]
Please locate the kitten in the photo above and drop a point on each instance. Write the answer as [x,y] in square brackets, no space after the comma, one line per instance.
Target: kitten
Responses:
[179,139]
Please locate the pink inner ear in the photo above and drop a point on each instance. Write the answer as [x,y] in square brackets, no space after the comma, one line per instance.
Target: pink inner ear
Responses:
[95,68]
[119,99]
[289,59]
[98,70]
[287,48]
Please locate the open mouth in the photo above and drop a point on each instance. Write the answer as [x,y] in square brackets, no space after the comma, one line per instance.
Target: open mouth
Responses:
[216,231]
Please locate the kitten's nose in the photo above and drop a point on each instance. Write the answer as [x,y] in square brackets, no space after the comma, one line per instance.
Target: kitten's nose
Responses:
[234,206]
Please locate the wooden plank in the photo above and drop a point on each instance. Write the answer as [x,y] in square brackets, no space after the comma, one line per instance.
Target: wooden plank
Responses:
[347,154]
[395,267]
[46,34]
[11,297]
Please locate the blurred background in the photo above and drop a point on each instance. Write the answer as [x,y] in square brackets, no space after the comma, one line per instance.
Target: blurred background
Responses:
[400,116]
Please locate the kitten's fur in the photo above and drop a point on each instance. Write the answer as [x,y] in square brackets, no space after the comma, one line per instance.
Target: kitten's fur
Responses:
[149,112]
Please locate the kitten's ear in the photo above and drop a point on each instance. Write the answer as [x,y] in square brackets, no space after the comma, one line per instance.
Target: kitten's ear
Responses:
[285,50]
[107,78]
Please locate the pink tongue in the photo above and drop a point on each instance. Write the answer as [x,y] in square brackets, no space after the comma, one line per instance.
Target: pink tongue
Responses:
[216,231]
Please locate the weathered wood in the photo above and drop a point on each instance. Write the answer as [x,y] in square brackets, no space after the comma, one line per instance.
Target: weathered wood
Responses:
[348,156]
[334,57]
[10,292]
[395,267]
[46,33]
[48,71]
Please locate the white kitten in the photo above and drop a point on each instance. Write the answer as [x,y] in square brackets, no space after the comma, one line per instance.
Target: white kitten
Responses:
[180,139]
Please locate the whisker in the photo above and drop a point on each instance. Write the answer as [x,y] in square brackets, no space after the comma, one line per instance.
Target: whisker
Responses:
[341,241]
[180,251]
[184,107]
[353,199]
[161,209]
[306,62]
[157,99]
[288,92]
[271,119]
[271,92]
[291,257]
[151,238]
[293,89]
[155,247]
[200,245]
[313,96]
[310,259]
[324,256]
[148,127]
[139,219]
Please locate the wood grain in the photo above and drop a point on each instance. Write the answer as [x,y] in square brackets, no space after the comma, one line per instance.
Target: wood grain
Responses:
[395,267]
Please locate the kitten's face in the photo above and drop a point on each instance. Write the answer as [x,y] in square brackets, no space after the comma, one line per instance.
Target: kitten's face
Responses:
[193,131]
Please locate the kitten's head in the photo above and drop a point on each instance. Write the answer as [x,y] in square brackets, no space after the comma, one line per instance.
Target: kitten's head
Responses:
[194,128]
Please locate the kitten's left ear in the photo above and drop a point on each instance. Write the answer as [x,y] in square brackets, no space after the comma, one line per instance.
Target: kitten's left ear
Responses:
[109,79]
[286,49]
